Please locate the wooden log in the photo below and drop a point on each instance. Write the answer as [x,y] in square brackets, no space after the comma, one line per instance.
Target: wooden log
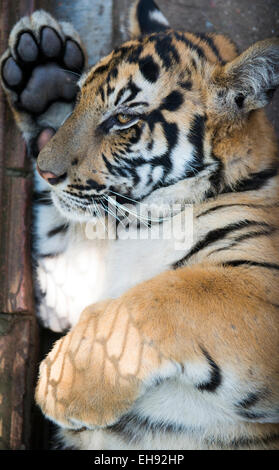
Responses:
[18,336]
[18,328]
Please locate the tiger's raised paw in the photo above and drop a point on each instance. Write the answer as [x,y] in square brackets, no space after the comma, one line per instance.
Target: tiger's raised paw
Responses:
[39,73]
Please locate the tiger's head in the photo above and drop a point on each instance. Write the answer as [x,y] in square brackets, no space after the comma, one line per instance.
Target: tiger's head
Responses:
[167,117]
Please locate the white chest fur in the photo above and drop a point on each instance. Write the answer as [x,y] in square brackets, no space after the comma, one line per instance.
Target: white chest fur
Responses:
[94,268]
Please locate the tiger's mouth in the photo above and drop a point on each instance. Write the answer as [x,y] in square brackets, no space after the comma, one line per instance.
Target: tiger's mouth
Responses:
[76,209]
[94,206]
[112,205]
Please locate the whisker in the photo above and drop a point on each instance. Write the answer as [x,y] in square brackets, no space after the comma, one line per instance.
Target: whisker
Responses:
[125,197]
[73,73]
[160,219]
[93,207]
[113,215]
[137,217]
[97,209]
[122,209]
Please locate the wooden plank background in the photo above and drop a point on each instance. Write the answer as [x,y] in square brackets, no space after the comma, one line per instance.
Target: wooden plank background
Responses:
[18,331]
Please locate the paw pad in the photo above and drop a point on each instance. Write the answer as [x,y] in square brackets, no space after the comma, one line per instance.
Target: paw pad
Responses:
[50,42]
[27,48]
[12,73]
[43,71]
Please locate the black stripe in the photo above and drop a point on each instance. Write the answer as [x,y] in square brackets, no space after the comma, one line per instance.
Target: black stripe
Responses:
[98,71]
[95,185]
[91,184]
[133,427]
[60,229]
[196,136]
[215,375]
[173,101]
[134,91]
[251,399]
[171,134]
[215,208]
[216,178]
[214,236]
[251,415]
[244,441]
[253,182]
[166,50]
[248,263]
[134,54]
[210,42]
[245,236]
[223,206]
[187,85]
[48,255]
[110,89]
[119,95]
[42,197]
[189,43]
[243,407]
[106,125]
[112,169]
[101,92]
[149,68]
[248,235]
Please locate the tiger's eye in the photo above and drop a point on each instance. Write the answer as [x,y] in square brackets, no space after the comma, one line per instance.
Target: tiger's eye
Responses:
[123,118]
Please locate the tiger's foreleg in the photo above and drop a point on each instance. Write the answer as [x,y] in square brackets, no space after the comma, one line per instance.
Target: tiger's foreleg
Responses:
[204,325]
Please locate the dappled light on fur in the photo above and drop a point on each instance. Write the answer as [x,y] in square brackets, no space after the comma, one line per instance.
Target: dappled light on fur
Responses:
[100,363]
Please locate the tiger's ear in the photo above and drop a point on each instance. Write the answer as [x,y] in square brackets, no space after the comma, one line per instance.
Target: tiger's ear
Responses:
[249,81]
[146,18]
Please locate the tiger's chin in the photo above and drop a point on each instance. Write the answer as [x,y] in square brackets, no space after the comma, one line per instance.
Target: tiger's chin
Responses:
[73,212]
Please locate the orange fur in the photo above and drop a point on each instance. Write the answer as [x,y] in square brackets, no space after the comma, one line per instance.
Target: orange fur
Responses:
[104,363]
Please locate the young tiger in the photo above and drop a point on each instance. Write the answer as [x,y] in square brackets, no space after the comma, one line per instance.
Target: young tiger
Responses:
[181,349]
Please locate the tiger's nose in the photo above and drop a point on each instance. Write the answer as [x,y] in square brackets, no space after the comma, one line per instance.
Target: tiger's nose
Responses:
[51,178]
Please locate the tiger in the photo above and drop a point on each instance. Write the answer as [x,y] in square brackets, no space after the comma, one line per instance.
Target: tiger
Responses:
[170,342]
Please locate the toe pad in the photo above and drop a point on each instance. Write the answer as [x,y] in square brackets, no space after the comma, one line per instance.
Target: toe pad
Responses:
[73,57]
[27,48]
[12,73]
[50,43]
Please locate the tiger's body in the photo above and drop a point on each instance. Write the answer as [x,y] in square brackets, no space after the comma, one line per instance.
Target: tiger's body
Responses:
[185,355]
